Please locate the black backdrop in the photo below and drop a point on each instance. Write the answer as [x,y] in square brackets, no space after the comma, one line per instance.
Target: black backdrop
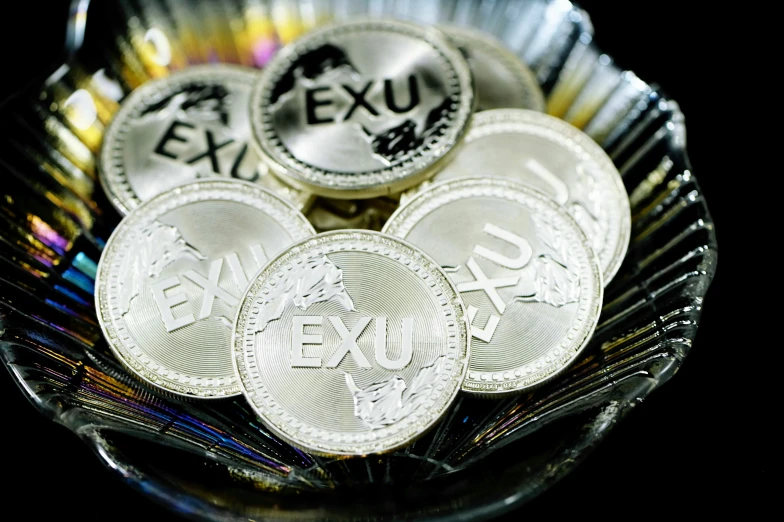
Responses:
[682,447]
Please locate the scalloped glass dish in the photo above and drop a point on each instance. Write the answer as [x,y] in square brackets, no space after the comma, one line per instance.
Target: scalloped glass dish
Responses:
[215,460]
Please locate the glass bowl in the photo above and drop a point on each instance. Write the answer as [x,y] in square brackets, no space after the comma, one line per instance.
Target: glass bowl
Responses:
[215,461]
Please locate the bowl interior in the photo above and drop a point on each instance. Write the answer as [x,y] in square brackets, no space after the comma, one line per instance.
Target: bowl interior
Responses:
[215,460]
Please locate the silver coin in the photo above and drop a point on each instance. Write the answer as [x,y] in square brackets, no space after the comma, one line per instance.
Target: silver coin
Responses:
[172,273]
[190,125]
[554,157]
[362,109]
[351,343]
[524,268]
[502,80]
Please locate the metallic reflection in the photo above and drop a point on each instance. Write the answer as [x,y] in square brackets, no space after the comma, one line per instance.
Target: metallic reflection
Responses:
[54,221]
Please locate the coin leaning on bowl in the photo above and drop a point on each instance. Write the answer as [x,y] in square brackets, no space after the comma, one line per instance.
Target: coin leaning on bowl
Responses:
[487,278]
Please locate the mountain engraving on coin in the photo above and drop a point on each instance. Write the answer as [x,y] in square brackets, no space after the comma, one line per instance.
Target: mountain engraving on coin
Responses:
[190,125]
[517,252]
[550,155]
[360,320]
[172,274]
[554,282]
[159,246]
[337,113]
[388,402]
[318,280]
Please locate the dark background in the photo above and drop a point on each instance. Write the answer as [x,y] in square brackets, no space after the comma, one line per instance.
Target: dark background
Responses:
[688,445]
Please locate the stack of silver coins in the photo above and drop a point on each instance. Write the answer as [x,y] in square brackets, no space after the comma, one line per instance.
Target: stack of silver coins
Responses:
[381,219]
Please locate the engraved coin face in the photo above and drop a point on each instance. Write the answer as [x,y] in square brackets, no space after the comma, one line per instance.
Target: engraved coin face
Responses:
[362,109]
[351,343]
[172,273]
[557,159]
[501,79]
[525,270]
[187,126]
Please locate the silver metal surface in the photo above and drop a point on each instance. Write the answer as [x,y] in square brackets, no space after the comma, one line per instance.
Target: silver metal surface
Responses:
[172,273]
[189,125]
[530,280]
[351,343]
[501,79]
[552,156]
[362,109]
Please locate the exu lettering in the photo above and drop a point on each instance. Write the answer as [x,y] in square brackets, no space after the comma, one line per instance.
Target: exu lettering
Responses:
[209,286]
[490,286]
[319,98]
[177,133]
[348,343]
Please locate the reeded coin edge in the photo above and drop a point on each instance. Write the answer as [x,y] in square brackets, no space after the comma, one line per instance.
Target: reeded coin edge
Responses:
[514,380]
[380,182]
[205,190]
[111,169]
[380,244]
[497,121]
[492,46]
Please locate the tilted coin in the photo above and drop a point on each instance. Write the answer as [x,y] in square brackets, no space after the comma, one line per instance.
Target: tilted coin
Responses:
[189,125]
[502,80]
[172,273]
[351,343]
[362,109]
[556,158]
[524,268]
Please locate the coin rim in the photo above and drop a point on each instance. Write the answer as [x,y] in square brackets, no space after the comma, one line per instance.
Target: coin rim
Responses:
[384,181]
[570,135]
[404,219]
[105,319]
[111,173]
[510,60]
[366,448]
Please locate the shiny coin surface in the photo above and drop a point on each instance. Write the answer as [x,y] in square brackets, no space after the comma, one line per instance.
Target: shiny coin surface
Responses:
[351,343]
[554,157]
[502,80]
[173,272]
[529,278]
[362,109]
[190,125]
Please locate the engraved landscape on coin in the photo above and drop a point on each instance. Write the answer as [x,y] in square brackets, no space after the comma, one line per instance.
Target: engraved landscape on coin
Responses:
[345,114]
[158,246]
[316,281]
[391,401]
